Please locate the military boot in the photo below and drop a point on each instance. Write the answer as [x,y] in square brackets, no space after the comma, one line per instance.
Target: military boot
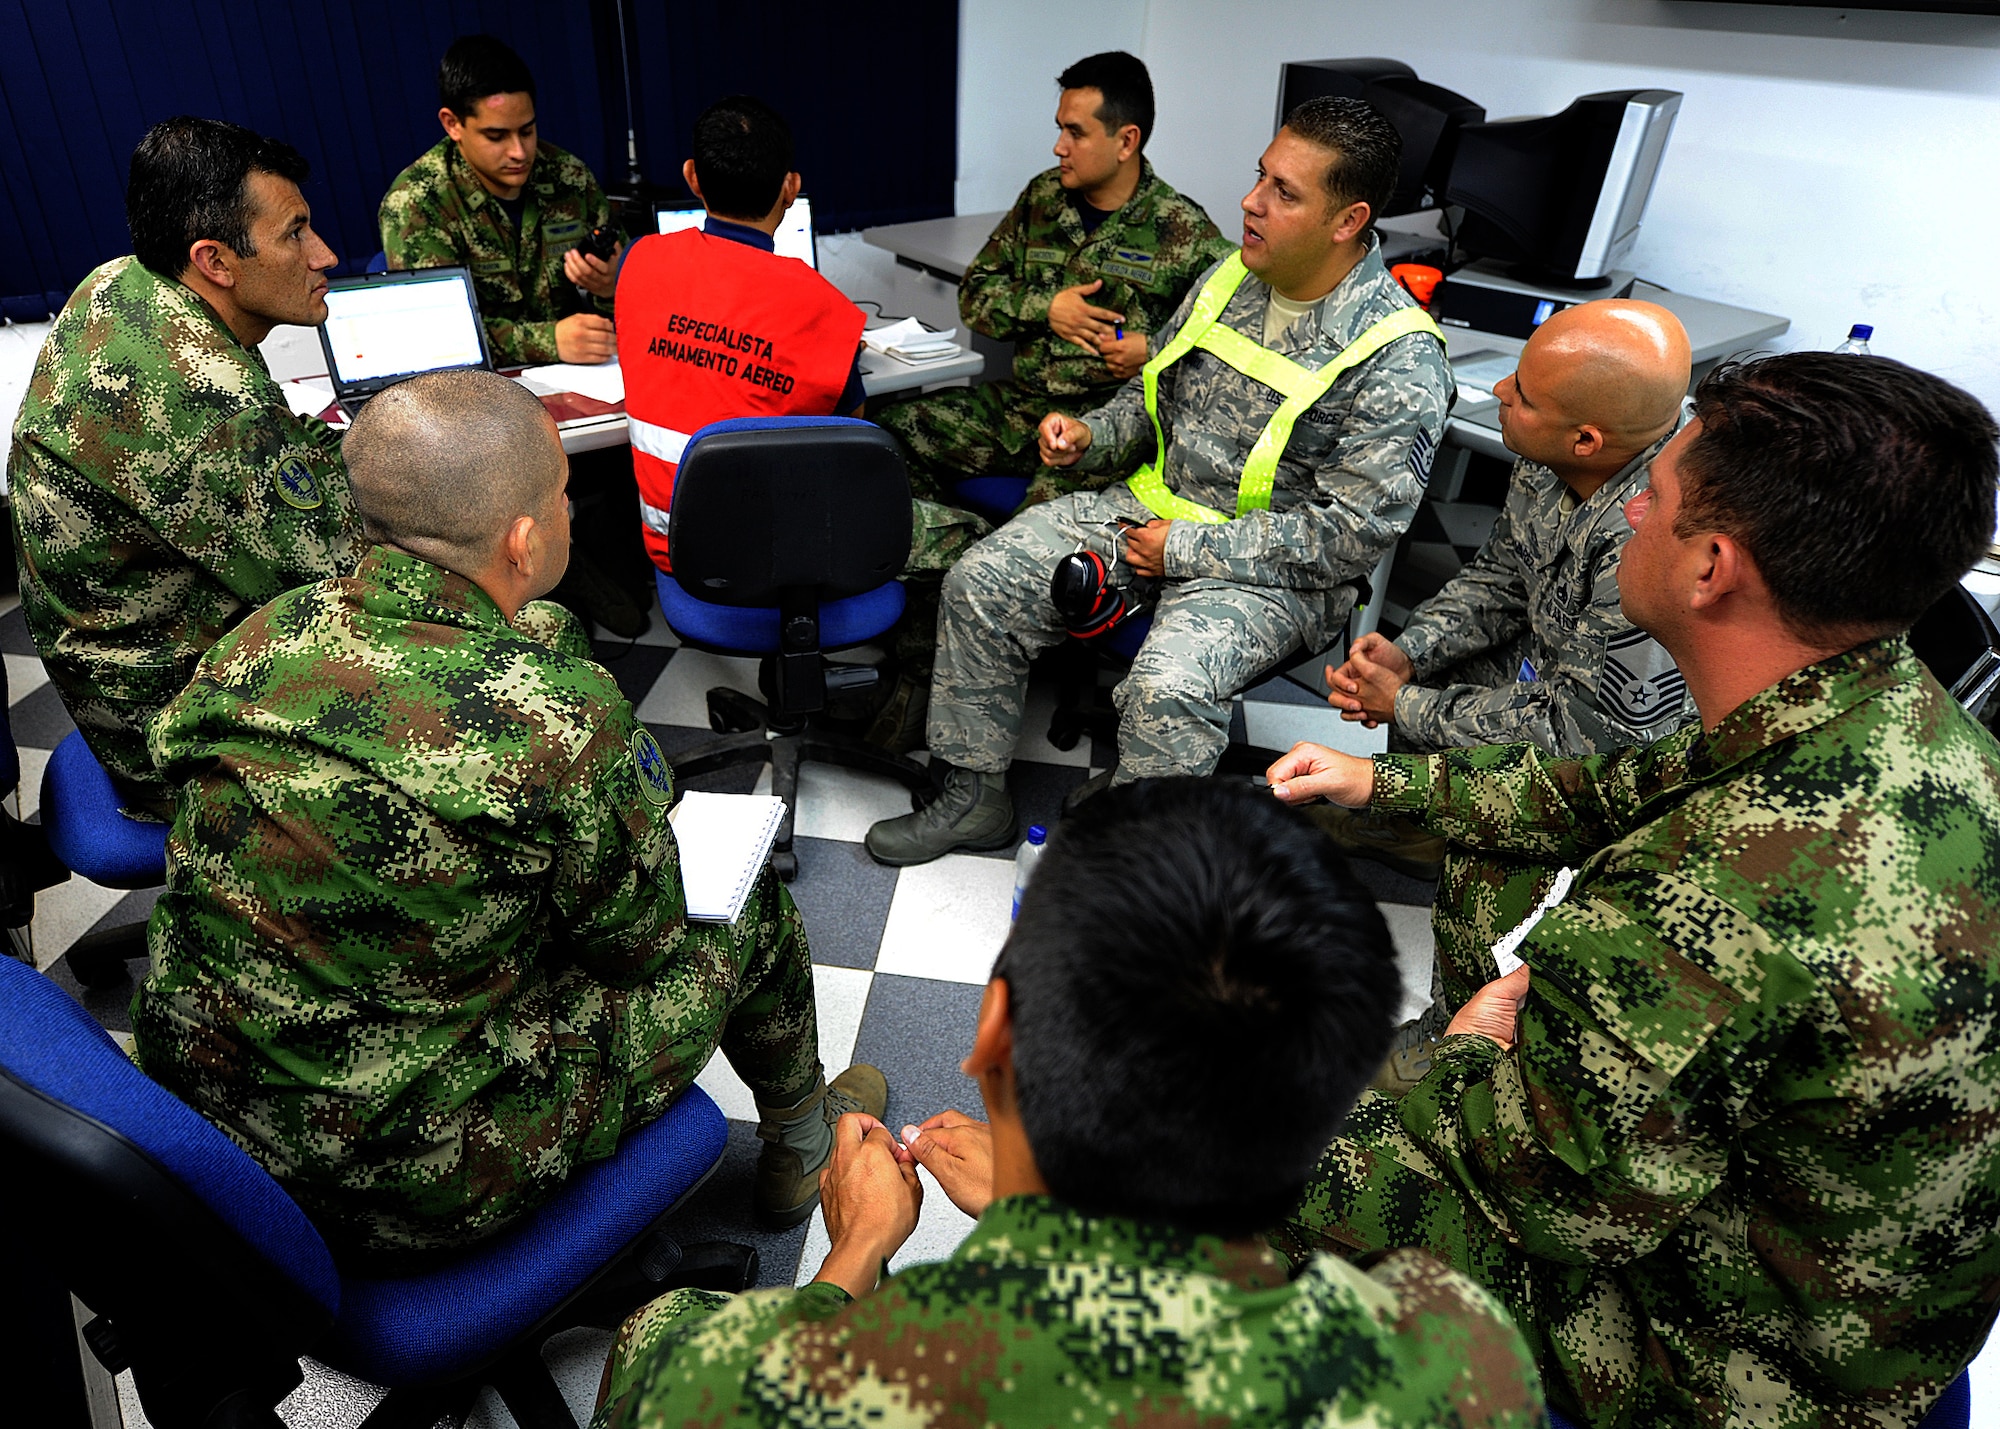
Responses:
[1400,843]
[798,1142]
[973,811]
[898,725]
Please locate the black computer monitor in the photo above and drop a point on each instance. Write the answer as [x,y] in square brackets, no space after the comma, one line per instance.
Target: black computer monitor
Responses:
[1562,196]
[1427,116]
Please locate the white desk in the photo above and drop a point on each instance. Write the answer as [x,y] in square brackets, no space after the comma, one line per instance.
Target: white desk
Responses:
[944,247]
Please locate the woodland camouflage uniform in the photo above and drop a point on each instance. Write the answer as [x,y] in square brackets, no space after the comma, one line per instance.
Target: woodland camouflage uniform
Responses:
[161,490]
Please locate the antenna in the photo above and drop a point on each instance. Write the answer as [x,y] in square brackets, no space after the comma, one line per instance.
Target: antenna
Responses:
[631,133]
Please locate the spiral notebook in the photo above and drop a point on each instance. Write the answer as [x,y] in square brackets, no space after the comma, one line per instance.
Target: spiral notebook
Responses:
[725,840]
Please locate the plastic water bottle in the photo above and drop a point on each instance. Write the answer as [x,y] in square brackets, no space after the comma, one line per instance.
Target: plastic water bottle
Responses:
[1025,861]
[1857,339]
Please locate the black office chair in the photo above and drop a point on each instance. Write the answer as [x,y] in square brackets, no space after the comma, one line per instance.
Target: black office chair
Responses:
[1958,640]
[787,535]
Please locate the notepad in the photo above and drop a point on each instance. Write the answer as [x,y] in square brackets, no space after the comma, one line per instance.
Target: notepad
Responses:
[725,840]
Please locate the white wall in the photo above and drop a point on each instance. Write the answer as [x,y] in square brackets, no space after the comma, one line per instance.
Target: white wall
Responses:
[1835,167]
[1009,54]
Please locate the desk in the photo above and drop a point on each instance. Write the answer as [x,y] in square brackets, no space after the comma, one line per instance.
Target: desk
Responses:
[942,247]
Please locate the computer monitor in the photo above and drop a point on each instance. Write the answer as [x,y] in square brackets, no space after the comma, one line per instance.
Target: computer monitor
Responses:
[383,327]
[794,237]
[1562,196]
[1427,116]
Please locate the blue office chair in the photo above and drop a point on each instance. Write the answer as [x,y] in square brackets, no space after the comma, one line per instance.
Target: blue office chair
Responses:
[788,534]
[1952,1411]
[87,831]
[996,498]
[208,1282]
[378,264]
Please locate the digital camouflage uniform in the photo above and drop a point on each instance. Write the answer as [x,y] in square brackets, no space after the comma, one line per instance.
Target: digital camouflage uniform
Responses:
[1544,590]
[1045,1316]
[1148,252]
[437,214]
[161,491]
[1743,1166]
[422,950]
[1240,595]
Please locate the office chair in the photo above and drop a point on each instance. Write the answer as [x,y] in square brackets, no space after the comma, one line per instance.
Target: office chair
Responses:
[1957,639]
[208,1282]
[996,498]
[90,836]
[788,534]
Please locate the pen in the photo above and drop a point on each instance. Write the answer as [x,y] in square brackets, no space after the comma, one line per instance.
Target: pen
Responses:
[1119,329]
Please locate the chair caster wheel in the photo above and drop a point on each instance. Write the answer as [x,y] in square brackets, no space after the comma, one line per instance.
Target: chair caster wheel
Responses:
[1064,736]
[99,960]
[785,865]
[99,971]
[733,712]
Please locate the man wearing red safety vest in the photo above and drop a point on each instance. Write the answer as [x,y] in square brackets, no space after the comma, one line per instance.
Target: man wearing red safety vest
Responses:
[713,324]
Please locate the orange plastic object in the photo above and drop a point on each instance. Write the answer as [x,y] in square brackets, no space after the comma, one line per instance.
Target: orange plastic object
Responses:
[1419,278]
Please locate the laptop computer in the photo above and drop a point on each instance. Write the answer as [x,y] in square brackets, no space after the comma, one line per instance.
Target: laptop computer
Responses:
[794,238]
[382,328]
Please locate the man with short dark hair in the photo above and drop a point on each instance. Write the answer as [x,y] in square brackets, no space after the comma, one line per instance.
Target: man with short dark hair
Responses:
[1724,1142]
[493,197]
[424,949]
[1274,447]
[161,487]
[1116,1275]
[1089,263]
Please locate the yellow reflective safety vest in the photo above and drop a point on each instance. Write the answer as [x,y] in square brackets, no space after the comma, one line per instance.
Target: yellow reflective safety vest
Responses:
[1299,386]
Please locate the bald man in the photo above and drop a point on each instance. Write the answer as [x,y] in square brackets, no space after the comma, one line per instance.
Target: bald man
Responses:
[424,949]
[1526,642]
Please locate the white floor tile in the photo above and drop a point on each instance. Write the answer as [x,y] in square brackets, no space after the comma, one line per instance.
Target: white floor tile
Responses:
[24,675]
[838,803]
[1034,742]
[1280,726]
[680,695]
[66,912]
[33,762]
[842,994]
[940,1227]
[1410,930]
[948,919]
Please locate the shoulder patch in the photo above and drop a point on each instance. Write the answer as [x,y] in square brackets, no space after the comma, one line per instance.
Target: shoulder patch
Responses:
[297,484]
[656,780]
[1639,682]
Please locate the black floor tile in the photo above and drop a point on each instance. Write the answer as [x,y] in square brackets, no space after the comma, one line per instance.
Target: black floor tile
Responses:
[845,896]
[39,719]
[635,667]
[917,1030]
[111,1006]
[676,740]
[720,1210]
[14,637]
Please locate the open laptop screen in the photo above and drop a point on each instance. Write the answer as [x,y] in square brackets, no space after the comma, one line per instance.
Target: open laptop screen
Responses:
[794,238]
[396,325]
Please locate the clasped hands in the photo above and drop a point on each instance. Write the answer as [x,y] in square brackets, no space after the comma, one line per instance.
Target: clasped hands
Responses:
[1075,319]
[870,1194]
[1364,686]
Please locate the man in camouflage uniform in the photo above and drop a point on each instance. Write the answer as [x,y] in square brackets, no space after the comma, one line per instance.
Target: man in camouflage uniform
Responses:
[1094,257]
[1527,642]
[161,487]
[1115,1275]
[492,197]
[424,949]
[1240,594]
[1726,1145]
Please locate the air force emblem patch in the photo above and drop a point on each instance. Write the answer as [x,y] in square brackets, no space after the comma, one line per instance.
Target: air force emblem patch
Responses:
[1640,683]
[297,484]
[656,780]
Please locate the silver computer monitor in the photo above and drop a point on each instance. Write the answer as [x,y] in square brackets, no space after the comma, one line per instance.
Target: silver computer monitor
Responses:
[794,238]
[383,327]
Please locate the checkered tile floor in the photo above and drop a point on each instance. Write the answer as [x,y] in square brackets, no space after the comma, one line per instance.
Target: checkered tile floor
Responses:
[899,955]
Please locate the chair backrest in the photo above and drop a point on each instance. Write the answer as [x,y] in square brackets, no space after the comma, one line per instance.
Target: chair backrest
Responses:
[151,1215]
[1957,639]
[765,506]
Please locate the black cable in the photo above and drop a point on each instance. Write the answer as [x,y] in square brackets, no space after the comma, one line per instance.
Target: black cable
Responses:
[886,317]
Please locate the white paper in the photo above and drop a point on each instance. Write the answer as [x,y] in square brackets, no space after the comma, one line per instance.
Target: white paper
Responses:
[910,335]
[307,399]
[604,382]
[724,840]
